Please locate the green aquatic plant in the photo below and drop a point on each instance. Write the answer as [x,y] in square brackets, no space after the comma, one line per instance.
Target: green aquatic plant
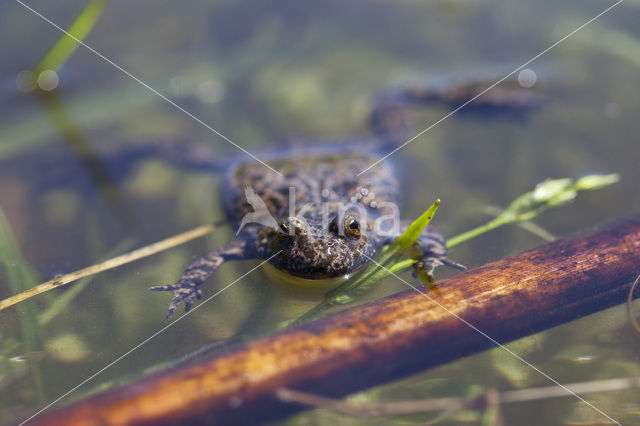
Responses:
[548,194]
[18,135]
[62,50]
[20,277]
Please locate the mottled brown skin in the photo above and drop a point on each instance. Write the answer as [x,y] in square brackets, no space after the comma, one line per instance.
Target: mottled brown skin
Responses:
[329,178]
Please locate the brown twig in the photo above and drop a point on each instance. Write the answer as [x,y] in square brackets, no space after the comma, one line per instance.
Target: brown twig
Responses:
[485,399]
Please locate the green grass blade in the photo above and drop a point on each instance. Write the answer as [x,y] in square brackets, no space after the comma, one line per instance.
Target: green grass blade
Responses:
[21,277]
[410,236]
[65,46]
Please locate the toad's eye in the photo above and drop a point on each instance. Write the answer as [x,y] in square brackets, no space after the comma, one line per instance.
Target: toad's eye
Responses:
[351,227]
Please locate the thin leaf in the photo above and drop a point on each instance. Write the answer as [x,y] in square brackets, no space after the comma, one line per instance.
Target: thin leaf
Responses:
[21,276]
[66,45]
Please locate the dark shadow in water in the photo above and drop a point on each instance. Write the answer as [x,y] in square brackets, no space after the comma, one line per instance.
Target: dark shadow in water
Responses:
[81,147]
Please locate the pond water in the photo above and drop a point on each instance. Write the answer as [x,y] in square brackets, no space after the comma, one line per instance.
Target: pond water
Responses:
[265,74]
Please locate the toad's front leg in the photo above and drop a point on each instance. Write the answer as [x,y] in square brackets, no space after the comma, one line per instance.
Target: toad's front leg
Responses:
[430,252]
[187,288]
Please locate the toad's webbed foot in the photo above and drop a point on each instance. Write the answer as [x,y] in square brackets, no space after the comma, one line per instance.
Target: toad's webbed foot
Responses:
[430,251]
[187,288]
[182,291]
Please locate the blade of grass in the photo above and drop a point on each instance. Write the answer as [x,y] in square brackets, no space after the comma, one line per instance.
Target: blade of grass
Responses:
[62,50]
[109,264]
[537,231]
[21,276]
